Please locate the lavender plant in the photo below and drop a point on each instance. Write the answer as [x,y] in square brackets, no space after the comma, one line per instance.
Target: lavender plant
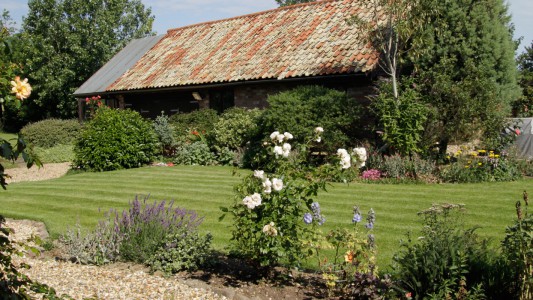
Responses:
[132,235]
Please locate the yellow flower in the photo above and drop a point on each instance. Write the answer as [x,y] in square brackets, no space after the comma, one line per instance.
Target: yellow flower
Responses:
[479,164]
[482,151]
[21,89]
[473,153]
[496,156]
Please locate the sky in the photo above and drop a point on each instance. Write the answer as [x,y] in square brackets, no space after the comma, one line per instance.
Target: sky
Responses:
[177,13]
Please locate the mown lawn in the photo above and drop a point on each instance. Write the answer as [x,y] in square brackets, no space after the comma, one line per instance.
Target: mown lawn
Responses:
[85,197]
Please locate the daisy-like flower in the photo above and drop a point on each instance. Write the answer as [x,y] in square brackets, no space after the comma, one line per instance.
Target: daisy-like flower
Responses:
[277,184]
[259,174]
[21,89]
[270,229]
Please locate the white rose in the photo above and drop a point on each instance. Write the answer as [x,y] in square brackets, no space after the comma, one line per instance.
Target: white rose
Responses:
[259,174]
[274,135]
[277,184]
[278,150]
[256,198]
[280,138]
[288,136]
[248,202]
[360,153]
[267,186]
[318,139]
[270,229]
[319,130]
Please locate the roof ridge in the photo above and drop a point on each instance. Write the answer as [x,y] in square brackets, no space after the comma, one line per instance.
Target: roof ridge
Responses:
[253,14]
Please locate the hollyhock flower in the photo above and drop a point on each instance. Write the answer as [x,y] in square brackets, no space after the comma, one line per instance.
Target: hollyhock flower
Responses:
[259,174]
[21,89]
[308,218]
[277,184]
[270,229]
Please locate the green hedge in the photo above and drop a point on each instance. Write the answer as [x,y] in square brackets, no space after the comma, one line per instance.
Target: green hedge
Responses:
[51,132]
[115,139]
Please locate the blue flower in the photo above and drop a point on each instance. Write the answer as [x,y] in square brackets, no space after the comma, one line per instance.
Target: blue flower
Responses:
[308,218]
[369,225]
[356,218]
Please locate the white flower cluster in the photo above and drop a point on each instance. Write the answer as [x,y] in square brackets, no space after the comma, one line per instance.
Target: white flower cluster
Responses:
[360,156]
[276,183]
[281,148]
[318,132]
[270,229]
[252,201]
[346,160]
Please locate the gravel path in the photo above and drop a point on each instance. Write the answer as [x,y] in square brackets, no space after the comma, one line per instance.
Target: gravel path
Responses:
[47,171]
[115,281]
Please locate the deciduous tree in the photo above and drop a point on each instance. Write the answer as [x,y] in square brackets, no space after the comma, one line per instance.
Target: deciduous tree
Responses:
[69,40]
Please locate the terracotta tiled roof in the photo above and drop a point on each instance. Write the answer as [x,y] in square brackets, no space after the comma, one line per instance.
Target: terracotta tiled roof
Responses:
[310,39]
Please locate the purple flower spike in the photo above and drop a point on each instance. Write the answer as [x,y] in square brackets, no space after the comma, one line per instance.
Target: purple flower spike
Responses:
[369,225]
[308,218]
[356,218]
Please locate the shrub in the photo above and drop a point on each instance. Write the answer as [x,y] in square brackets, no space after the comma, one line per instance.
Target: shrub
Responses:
[197,153]
[185,250]
[51,132]
[480,166]
[403,167]
[302,109]
[444,261]
[133,235]
[235,127]
[165,134]
[56,154]
[201,121]
[518,249]
[115,139]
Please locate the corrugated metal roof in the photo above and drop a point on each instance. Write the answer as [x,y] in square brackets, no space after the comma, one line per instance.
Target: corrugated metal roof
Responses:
[310,39]
[117,66]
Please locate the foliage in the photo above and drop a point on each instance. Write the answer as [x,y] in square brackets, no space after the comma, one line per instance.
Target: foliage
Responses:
[56,154]
[201,121]
[353,273]
[518,249]
[442,262]
[67,41]
[291,2]
[235,128]
[13,283]
[268,211]
[463,62]
[402,167]
[165,134]
[115,139]
[51,132]
[133,235]
[196,153]
[402,118]
[300,110]
[480,166]
[523,106]
[185,250]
